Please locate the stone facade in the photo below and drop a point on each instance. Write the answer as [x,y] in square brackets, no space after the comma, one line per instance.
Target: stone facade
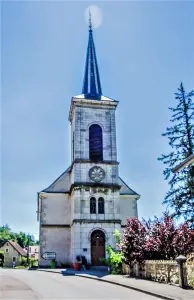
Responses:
[66,222]
[79,212]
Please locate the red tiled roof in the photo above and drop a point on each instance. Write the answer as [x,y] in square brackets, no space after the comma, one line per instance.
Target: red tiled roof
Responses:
[18,248]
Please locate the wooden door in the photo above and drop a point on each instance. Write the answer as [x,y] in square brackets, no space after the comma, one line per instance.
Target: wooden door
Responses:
[97,247]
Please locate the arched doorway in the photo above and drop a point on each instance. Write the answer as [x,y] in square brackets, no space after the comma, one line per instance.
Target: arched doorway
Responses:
[97,247]
[1,258]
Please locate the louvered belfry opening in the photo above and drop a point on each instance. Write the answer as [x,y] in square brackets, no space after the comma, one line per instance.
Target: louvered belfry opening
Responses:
[95,143]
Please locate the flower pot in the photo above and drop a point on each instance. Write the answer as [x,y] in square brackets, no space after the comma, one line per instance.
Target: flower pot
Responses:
[77,266]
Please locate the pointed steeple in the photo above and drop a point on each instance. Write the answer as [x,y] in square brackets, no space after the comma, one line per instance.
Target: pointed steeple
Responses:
[91,85]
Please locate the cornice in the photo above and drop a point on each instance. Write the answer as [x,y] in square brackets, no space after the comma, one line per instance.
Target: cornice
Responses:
[91,103]
[93,185]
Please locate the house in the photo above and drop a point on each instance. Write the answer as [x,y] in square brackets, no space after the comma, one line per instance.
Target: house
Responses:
[79,212]
[11,252]
[33,251]
[188,161]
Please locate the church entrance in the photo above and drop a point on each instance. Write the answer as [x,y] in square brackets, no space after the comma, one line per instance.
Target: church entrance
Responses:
[97,247]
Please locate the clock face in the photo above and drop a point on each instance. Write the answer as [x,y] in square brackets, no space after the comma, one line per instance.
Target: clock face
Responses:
[96,174]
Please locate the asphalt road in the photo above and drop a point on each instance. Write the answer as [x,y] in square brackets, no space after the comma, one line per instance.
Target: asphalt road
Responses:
[23,284]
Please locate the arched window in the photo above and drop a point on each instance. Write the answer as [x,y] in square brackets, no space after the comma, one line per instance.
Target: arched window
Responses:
[93,205]
[101,206]
[95,143]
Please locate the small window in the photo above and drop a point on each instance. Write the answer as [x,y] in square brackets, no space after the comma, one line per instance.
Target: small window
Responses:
[93,205]
[14,259]
[6,250]
[101,206]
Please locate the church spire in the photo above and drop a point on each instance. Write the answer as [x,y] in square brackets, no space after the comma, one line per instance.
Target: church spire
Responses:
[91,85]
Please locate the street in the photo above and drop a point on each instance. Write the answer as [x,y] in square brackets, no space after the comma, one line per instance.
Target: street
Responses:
[23,284]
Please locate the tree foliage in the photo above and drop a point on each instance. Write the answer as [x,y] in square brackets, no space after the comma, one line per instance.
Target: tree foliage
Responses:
[21,238]
[180,134]
[133,241]
[115,259]
[157,239]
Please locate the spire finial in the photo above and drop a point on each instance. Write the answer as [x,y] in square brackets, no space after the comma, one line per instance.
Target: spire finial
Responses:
[90,21]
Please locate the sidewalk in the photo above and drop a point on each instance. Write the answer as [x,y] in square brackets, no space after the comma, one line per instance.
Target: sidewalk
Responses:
[164,291]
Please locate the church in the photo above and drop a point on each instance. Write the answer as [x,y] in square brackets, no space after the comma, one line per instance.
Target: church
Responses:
[80,211]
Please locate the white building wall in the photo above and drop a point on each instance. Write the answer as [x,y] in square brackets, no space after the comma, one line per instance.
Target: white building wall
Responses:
[128,208]
[55,209]
[58,240]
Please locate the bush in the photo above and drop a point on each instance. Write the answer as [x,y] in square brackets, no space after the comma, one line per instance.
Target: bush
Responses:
[33,262]
[53,264]
[23,261]
[114,260]
[20,267]
[177,281]
[157,239]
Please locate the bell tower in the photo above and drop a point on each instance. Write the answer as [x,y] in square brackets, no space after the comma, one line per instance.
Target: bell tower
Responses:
[94,173]
[80,211]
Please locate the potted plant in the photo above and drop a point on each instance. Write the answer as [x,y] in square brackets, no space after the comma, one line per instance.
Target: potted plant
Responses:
[77,265]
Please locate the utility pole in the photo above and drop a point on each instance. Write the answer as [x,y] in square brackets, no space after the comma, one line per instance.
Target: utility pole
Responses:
[28,245]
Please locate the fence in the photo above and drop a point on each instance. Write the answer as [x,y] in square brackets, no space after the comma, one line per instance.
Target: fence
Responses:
[166,271]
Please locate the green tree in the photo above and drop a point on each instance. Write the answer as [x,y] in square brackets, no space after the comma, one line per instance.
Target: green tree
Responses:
[180,134]
[21,238]
[6,234]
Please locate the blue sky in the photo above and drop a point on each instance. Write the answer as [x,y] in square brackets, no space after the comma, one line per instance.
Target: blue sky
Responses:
[144,50]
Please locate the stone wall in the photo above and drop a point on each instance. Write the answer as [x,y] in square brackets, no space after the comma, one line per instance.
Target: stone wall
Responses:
[80,173]
[166,271]
[190,269]
[81,203]
[86,116]
[81,235]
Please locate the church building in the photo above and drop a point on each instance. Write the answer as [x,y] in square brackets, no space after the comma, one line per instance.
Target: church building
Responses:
[80,211]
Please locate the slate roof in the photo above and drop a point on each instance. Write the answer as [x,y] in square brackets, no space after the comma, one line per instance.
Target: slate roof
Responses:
[188,161]
[16,246]
[62,185]
[125,189]
[91,85]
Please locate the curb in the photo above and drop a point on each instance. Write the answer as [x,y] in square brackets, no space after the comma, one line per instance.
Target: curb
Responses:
[115,283]
[52,272]
[129,287]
